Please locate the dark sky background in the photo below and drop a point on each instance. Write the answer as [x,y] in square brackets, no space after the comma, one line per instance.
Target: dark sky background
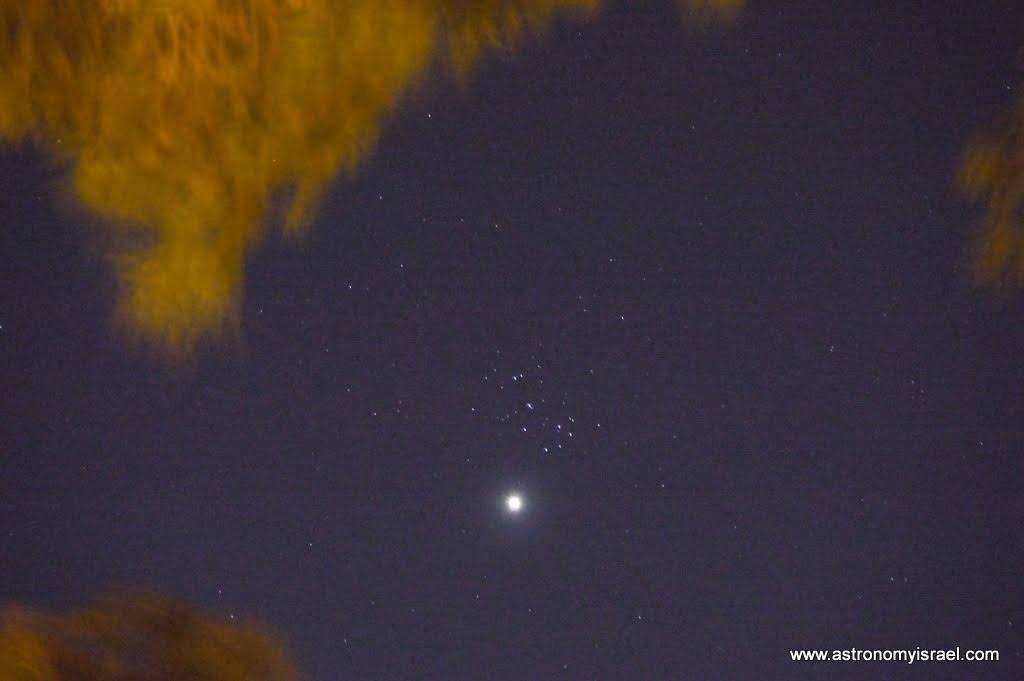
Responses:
[703,298]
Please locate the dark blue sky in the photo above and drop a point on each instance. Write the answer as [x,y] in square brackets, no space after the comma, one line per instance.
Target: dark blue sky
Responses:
[703,298]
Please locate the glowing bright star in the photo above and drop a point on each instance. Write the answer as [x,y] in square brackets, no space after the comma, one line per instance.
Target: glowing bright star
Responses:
[514,503]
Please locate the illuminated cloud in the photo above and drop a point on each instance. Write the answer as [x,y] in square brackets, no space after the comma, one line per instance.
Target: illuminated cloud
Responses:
[129,635]
[993,172]
[180,119]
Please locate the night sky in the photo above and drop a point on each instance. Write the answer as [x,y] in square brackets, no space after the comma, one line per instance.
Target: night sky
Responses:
[702,297]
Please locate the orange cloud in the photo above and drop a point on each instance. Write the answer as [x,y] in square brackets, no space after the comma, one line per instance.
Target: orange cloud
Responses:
[993,172]
[179,119]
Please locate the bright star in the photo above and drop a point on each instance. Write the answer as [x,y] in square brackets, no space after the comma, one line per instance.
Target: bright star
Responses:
[514,503]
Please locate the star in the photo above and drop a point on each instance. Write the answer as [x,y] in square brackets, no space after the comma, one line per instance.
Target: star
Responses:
[514,502]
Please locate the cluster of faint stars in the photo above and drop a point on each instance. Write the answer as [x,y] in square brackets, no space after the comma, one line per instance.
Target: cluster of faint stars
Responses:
[526,403]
